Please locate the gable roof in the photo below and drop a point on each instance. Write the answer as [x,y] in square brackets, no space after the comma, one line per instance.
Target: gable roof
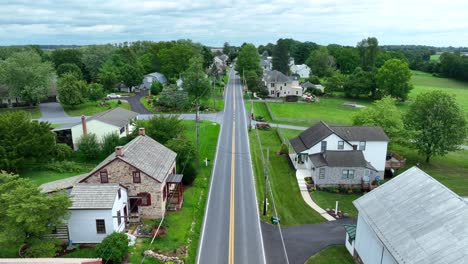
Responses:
[118,116]
[418,219]
[311,136]
[307,84]
[61,184]
[337,158]
[360,133]
[145,154]
[276,76]
[159,76]
[316,133]
[93,196]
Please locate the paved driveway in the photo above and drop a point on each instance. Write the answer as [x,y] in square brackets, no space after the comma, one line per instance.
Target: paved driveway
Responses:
[54,114]
[302,241]
[135,103]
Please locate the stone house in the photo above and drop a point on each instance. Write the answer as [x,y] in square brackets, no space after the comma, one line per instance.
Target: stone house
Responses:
[280,85]
[148,170]
[340,155]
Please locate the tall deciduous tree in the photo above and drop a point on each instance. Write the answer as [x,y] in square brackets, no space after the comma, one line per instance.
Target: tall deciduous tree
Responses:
[175,60]
[368,50]
[335,83]
[321,62]
[302,51]
[162,128]
[195,81]
[23,140]
[438,123]
[131,75]
[26,76]
[94,57]
[69,68]
[248,60]
[393,79]
[281,57]
[360,83]
[71,91]
[26,213]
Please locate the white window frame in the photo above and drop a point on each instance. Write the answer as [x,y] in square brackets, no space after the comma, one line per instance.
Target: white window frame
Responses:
[341,144]
[362,145]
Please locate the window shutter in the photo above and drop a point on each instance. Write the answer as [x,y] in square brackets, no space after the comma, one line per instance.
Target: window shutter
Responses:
[148,199]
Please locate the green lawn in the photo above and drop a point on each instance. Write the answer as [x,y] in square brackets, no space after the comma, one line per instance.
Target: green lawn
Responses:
[292,209]
[35,112]
[180,223]
[332,255]
[92,108]
[259,110]
[42,175]
[89,252]
[328,200]
[207,103]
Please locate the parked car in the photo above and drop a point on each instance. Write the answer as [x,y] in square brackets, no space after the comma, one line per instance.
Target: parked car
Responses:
[113,96]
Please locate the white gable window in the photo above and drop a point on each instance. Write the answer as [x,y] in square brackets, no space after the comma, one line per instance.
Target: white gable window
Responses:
[341,144]
[323,146]
[362,145]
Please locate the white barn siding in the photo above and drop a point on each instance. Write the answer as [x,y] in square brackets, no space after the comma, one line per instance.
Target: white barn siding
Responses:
[375,153]
[82,225]
[119,206]
[369,248]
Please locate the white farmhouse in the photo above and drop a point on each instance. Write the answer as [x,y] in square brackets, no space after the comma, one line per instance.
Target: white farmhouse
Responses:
[116,120]
[302,70]
[341,155]
[411,219]
[96,212]
[280,85]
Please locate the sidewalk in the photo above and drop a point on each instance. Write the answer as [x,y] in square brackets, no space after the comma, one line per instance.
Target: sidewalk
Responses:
[300,175]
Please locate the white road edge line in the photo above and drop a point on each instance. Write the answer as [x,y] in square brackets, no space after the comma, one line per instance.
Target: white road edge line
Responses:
[207,206]
[253,177]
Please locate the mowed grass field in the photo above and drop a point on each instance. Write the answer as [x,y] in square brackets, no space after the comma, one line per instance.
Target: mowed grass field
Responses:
[332,255]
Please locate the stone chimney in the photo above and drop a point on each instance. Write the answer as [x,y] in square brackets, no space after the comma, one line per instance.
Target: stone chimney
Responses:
[119,151]
[83,125]
[354,147]
[141,131]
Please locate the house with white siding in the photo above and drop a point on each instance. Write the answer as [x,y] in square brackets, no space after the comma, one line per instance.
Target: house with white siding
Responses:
[341,155]
[116,120]
[280,85]
[302,70]
[411,219]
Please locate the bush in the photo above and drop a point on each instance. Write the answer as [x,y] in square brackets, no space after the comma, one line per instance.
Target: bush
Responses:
[284,149]
[113,247]
[64,166]
[119,102]
[88,147]
[96,91]
[42,248]
[156,88]
[314,79]
[109,142]
[63,151]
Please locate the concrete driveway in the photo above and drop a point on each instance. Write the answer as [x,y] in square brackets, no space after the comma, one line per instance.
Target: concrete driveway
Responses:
[302,241]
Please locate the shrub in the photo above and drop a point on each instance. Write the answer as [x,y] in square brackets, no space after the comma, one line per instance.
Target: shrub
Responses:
[119,102]
[314,79]
[63,151]
[109,142]
[64,166]
[156,88]
[88,147]
[42,248]
[96,91]
[284,149]
[113,247]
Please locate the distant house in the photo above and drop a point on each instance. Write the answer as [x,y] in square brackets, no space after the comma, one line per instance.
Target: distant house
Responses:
[302,70]
[341,155]
[116,120]
[280,85]
[221,62]
[410,219]
[308,85]
[149,79]
[97,210]
[7,100]
[266,64]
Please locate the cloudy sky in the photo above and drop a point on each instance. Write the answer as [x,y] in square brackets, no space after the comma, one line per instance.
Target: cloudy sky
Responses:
[212,22]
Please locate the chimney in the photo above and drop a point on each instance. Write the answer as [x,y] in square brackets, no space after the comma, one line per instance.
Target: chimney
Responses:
[141,131]
[119,151]
[354,147]
[83,125]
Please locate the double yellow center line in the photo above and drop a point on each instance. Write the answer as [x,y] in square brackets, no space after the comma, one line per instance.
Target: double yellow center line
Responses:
[233,181]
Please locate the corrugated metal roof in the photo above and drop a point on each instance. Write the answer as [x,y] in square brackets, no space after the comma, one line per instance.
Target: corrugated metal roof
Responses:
[351,230]
[175,178]
[93,196]
[418,219]
[145,154]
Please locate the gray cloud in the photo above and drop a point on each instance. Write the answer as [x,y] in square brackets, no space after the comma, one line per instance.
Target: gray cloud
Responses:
[213,22]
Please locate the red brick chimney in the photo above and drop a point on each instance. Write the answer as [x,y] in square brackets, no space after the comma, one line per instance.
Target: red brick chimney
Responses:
[141,131]
[354,147]
[119,151]
[83,125]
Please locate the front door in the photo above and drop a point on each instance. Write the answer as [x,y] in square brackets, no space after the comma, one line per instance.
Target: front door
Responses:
[134,205]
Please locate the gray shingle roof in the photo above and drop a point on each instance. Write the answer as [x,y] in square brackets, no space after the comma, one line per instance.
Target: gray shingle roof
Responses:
[418,219]
[93,196]
[360,133]
[145,154]
[118,116]
[336,158]
[311,136]
[61,184]
[307,84]
[276,76]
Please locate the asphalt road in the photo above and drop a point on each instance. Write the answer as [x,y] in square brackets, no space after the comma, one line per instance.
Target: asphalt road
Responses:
[231,230]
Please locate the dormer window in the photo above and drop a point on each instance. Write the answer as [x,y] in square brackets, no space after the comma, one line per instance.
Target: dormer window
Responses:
[136,177]
[104,177]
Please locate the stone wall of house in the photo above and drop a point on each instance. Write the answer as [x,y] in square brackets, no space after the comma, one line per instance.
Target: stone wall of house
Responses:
[121,172]
[333,176]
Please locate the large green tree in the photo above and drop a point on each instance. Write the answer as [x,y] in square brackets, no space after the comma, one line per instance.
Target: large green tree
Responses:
[71,90]
[69,68]
[24,141]
[175,60]
[368,51]
[438,123]
[393,79]
[347,58]
[186,156]
[248,60]
[94,56]
[131,75]
[335,83]
[321,62]
[360,83]
[161,127]
[26,76]
[195,81]
[28,214]
[281,57]
[385,114]
[302,51]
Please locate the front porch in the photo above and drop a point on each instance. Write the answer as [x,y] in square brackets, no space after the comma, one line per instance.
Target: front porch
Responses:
[299,160]
[174,192]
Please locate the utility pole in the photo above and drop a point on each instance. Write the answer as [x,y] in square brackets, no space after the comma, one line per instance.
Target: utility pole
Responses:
[196,133]
[265,168]
[214,91]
